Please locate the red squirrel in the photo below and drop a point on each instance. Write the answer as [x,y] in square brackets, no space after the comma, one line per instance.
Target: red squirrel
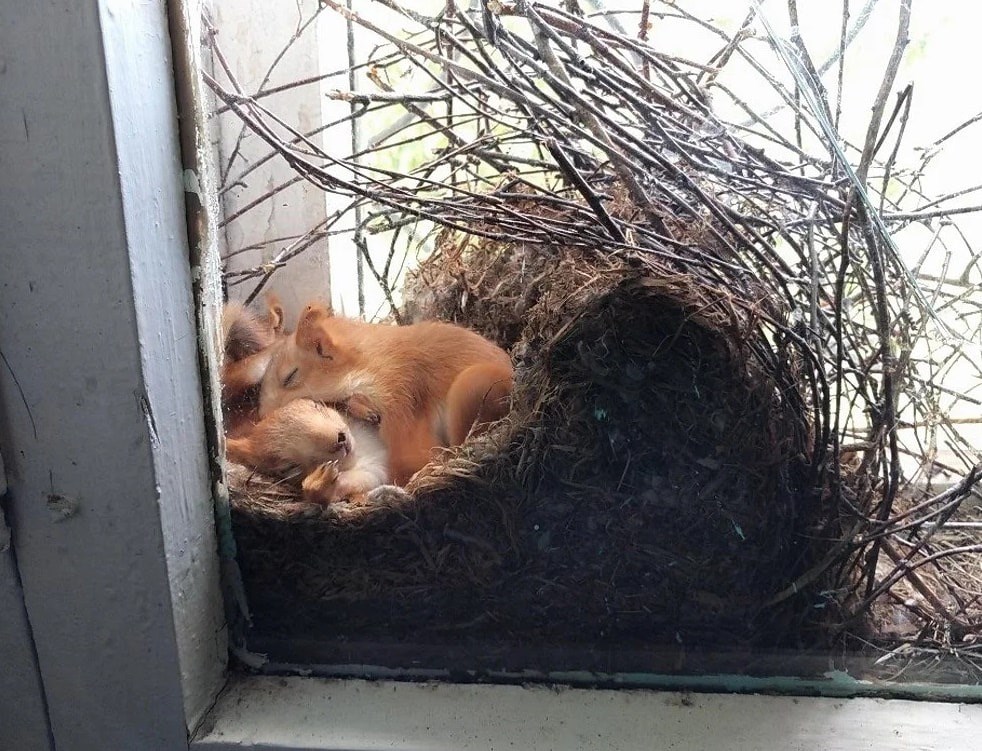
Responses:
[340,460]
[427,385]
[245,333]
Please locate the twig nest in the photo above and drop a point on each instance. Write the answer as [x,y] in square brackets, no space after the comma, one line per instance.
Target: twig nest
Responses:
[649,485]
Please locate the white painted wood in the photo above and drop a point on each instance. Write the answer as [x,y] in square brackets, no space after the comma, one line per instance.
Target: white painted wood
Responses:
[110,504]
[347,294]
[167,329]
[252,34]
[203,212]
[342,254]
[290,714]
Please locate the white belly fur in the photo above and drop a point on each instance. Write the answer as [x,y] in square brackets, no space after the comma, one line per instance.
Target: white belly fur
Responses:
[370,453]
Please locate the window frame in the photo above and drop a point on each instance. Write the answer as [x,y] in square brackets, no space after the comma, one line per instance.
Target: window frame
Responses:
[110,465]
[110,495]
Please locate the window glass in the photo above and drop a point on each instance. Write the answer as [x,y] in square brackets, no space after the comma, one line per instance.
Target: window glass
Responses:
[733,256]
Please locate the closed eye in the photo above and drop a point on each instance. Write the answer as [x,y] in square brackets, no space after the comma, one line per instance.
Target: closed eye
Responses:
[290,378]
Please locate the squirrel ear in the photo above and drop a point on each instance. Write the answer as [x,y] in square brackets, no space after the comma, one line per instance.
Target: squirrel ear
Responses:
[312,331]
[274,313]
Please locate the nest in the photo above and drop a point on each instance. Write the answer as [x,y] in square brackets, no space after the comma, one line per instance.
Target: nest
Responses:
[651,476]
[724,365]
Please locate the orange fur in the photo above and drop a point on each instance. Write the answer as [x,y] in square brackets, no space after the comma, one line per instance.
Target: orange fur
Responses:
[246,338]
[339,459]
[245,332]
[478,396]
[429,384]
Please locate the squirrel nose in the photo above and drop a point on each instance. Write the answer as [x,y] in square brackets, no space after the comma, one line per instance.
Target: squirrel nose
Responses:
[342,439]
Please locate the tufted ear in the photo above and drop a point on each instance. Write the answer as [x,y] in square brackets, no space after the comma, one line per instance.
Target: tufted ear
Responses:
[274,313]
[312,331]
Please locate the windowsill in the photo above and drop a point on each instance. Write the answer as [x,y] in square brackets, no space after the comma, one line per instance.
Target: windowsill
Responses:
[288,714]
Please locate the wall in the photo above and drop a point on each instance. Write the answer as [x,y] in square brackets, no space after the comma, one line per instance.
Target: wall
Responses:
[277,222]
[100,403]
[23,718]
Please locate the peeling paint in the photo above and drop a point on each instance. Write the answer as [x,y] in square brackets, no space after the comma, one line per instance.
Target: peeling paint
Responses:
[62,506]
[144,404]
[193,186]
